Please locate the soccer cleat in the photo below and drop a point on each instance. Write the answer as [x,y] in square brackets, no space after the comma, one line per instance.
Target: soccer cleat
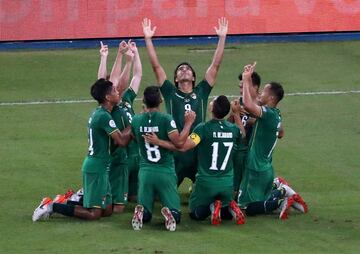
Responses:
[77,196]
[216,212]
[279,180]
[137,220]
[62,199]
[299,203]
[170,222]
[285,207]
[236,212]
[44,210]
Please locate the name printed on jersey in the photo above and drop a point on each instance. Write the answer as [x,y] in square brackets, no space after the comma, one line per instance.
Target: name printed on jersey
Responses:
[149,129]
[222,134]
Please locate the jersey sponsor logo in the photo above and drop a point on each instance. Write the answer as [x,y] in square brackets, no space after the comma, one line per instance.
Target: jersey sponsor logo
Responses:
[195,137]
[112,123]
[173,124]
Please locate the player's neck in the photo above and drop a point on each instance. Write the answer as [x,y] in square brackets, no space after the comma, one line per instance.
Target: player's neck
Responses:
[185,86]
[108,106]
[157,109]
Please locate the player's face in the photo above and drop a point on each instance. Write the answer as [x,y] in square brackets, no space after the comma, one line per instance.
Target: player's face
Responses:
[265,95]
[114,96]
[184,73]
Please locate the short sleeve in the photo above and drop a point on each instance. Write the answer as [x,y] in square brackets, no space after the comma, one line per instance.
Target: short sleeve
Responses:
[108,124]
[129,96]
[170,124]
[204,88]
[167,89]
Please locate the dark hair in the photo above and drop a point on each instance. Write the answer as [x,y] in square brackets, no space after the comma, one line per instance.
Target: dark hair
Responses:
[177,67]
[277,90]
[255,78]
[152,96]
[221,107]
[100,89]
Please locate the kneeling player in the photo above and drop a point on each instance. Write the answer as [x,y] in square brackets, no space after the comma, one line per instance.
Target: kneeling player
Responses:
[213,191]
[157,175]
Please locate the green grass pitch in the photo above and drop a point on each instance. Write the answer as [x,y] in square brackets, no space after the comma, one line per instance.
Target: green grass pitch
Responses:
[42,148]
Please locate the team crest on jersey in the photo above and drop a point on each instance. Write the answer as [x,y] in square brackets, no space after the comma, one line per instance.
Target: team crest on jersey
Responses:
[193,95]
[112,123]
[173,124]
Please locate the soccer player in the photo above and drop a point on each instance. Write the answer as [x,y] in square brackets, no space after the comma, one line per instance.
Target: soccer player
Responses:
[157,175]
[183,95]
[101,128]
[258,168]
[215,140]
[247,122]
[125,161]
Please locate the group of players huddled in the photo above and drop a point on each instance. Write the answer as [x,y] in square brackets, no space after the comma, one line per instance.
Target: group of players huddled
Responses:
[144,157]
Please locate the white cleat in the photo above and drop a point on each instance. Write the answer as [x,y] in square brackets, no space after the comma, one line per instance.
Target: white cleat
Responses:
[285,207]
[44,210]
[170,222]
[299,203]
[137,220]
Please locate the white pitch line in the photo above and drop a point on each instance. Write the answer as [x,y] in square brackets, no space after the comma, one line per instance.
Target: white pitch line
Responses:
[138,99]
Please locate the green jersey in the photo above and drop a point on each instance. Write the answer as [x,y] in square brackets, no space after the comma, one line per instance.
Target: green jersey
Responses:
[127,105]
[153,157]
[100,126]
[216,139]
[263,139]
[177,102]
[122,115]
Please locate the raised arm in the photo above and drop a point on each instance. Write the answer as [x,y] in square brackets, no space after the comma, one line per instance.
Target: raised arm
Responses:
[137,69]
[102,72]
[157,68]
[249,105]
[125,74]
[115,76]
[213,69]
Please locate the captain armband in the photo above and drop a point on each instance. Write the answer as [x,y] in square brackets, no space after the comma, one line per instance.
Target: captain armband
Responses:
[195,138]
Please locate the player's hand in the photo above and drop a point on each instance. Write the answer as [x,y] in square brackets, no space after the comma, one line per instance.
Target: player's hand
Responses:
[148,31]
[133,47]
[151,138]
[104,51]
[223,27]
[248,70]
[129,55]
[189,116]
[123,47]
[235,106]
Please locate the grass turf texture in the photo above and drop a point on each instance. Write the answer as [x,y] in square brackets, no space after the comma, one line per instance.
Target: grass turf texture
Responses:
[42,148]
